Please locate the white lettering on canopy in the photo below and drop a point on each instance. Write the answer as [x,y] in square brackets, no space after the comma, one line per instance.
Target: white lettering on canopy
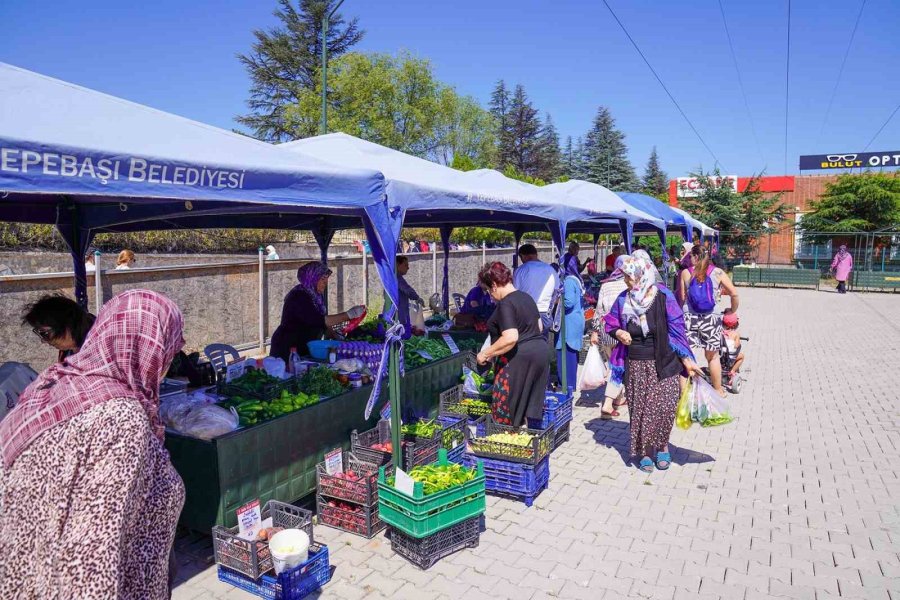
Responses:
[138,170]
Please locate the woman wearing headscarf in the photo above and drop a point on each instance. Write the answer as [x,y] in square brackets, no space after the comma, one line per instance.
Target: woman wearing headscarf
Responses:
[88,498]
[610,290]
[573,293]
[303,315]
[841,267]
[652,349]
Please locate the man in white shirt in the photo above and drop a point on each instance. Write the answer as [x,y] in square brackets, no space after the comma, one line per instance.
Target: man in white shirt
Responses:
[537,279]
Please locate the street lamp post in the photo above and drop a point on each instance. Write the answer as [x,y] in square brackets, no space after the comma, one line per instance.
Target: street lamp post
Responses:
[323,126]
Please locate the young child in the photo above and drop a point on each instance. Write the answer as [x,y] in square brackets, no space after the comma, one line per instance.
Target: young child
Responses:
[730,324]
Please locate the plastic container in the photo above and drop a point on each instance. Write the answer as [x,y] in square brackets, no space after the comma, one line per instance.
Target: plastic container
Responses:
[454,436]
[353,518]
[557,410]
[532,454]
[355,380]
[253,558]
[415,451]
[319,349]
[424,552]
[362,491]
[289,549]
[419,515]
[274,366]
[455,402]
[515,480]
[561,435]
[294,584]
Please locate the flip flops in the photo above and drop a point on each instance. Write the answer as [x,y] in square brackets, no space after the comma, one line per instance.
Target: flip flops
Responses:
[646,465]
[663,460]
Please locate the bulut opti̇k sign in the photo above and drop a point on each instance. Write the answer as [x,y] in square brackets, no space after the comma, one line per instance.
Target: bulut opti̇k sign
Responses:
[850,160]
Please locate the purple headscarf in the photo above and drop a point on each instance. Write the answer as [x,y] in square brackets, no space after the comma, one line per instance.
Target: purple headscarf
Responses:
[309,275]
[571,266]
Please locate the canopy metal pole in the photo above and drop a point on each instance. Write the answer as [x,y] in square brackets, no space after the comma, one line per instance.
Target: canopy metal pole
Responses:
[561,356]
[434,268]
[483,253]
[394,399]
[98,284]
[365,276]
[262,300]
[323,126]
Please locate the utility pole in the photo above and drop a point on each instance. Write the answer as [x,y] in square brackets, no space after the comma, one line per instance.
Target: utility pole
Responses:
[323,126]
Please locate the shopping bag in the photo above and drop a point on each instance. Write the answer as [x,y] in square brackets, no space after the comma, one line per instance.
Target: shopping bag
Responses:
[683,412]
[417,317]
[593,373]
[707,407]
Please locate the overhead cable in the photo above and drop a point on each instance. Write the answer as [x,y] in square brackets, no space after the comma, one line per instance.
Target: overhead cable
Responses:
[841,71]
[880,129]
[668,93]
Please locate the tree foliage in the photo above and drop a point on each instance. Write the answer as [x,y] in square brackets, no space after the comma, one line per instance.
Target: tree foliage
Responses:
[655,181]
[550,167]
[397,102]
[866,202]
[606,155]
[525,131]
[286,61]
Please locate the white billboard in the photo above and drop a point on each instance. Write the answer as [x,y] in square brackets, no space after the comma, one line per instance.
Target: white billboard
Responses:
[689,187]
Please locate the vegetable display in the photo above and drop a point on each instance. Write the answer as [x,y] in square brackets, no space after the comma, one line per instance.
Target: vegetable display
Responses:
[468,344]
[346,516]
[422,429]
[320,381]
[252,411]
[436,349]
[349,486]
[475,407]
[508,444]
[437,478]
[254,381]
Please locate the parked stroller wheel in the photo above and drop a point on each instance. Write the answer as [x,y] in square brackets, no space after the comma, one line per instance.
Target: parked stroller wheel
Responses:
[736,385]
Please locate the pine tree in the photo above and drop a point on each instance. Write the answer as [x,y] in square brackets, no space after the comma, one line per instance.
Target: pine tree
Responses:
[500,109]
[287,59]
[606,155]
[550,158]
[579,170]
[568,158]
[655,181]
[525,131]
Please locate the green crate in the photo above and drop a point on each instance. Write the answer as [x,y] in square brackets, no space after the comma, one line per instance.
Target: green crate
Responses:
[420,516]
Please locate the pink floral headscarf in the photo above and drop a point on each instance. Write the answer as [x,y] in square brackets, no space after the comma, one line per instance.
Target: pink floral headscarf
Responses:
[133,341]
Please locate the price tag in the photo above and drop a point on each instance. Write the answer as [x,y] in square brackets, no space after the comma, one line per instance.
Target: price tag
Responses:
[424,354]
[450,343]
[235,370]
[334,462]
[249,521]
[404,482]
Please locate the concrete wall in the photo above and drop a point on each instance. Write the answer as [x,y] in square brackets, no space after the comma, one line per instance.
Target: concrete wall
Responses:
[220,301]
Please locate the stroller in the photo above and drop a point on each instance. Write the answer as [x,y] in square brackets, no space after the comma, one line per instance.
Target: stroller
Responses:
[732,383]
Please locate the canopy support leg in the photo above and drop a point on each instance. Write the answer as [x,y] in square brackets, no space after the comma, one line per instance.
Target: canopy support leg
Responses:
[446,232]
[78,240]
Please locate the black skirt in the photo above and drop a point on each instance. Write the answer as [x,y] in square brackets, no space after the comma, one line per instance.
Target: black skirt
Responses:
[521,383]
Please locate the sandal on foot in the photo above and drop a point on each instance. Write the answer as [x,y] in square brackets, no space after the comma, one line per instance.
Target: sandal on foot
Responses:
[646,465]
[663,460]
[608,416]
[620,404]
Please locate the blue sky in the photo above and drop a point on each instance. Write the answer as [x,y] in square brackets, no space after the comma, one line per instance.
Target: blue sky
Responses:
[570,56]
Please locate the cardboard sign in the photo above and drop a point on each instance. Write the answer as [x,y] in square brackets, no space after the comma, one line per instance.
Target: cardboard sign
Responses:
[235,370]
[334,462]
[249,520]
[450,343]
[404,482]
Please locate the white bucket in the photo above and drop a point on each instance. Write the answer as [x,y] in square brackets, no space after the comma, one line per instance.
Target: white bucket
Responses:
[289,548]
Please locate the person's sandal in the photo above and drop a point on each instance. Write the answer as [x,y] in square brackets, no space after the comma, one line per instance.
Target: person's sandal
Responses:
[663,460]
[620,404]
[608,416]
[646,465]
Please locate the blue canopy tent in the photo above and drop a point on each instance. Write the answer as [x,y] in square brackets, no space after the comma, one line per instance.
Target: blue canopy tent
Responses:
[705,230]
[87,162]
[673,218]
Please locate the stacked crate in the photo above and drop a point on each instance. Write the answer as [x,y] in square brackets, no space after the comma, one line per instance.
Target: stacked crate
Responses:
[349,500]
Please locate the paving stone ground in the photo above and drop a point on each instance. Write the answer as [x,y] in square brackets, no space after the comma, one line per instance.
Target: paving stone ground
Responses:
[798,498]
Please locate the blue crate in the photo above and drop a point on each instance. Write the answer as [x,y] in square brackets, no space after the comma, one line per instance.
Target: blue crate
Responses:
[560,436]
[295,584]
[557,410]
[512,479]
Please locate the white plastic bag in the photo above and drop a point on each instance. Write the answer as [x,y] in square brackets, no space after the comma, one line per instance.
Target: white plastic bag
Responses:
[593,373]
[417,317]
[707,407]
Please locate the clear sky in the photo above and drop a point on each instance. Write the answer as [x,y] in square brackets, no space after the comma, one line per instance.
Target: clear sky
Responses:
[569,54]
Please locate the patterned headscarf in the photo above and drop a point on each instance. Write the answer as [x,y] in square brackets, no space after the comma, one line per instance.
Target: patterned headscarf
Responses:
[309,275]
[842,252]
[135,338]
[640,297]
[643,254]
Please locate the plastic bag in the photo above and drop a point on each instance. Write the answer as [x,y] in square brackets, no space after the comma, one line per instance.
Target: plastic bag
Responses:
[471,382]
[417,317]
[707,407]
[14,378]
[683,412]
[192,416]
[593,374]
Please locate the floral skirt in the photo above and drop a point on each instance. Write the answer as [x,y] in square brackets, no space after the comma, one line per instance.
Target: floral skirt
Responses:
[651,407]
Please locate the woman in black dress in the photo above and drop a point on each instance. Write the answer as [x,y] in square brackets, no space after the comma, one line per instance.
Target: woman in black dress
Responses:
[303,316]
[520,350]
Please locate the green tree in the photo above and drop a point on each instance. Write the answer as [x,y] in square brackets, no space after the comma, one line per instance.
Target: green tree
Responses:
[740,217]
[525,131]
[606,155]
[866,202]
[550,161]
[397,102]
[286,61]
[655,180]
[499,107]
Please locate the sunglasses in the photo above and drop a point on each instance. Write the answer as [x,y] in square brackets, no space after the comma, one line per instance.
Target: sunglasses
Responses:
[45,333]
[841,157]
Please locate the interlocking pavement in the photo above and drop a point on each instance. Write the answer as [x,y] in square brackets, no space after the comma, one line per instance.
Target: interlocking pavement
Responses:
[797,498]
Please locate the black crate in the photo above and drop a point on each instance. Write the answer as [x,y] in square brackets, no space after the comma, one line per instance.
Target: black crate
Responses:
[561,435]
[531,454]
[415,451]
[424,552]
[454,432]
[360,520]
[363,491]
[455,402]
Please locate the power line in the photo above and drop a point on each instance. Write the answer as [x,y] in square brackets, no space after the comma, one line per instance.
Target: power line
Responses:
[668,93]
[880,129]
[841,71]
[787,87]
[741,83]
